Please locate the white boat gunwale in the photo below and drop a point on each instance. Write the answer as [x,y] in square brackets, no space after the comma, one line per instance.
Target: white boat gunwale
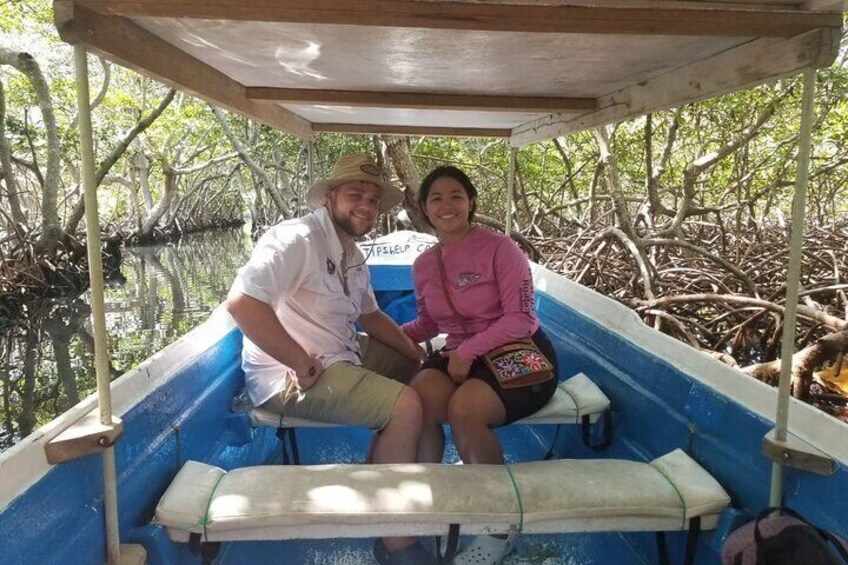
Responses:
[807,422]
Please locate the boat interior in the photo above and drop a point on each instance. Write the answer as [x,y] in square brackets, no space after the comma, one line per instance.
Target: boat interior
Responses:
[664,395]
[521,70]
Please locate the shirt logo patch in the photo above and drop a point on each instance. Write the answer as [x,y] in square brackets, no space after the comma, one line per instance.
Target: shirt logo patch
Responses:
[465,279]
[331,267]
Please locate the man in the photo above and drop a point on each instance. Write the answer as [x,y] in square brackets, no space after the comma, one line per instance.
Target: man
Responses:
[297,300]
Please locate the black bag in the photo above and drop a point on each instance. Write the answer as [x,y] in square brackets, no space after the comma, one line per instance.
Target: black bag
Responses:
[783,540]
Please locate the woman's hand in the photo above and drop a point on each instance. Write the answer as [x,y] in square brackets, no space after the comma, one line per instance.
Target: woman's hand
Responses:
[457,367]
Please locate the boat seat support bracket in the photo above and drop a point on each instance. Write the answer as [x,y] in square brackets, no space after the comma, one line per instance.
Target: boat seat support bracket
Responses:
[586,429]
[795,452]
[86,436]
[208,551]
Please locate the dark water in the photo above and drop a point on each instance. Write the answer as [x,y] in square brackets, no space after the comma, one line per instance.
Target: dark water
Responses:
[162,292]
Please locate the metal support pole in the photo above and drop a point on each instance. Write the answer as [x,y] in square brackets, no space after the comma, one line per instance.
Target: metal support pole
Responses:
[510,190]
[95,269]
[793,275]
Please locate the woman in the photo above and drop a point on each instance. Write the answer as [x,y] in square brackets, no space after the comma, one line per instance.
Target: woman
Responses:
[491,290]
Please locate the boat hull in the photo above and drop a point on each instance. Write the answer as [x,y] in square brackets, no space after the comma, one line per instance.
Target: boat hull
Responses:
[176,406]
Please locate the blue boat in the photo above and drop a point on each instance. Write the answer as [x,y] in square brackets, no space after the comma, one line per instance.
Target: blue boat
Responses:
[176,407]
[674,409]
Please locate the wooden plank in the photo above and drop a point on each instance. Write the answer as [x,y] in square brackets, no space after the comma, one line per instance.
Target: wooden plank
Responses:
[797,453]
[826,5]
[133,554]
[743,67]
[409,130]
[420,100]
[715,20]
[84,437]
[121,41]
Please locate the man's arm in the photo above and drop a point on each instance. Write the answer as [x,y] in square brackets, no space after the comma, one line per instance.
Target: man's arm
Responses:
[382,328]
[258,322]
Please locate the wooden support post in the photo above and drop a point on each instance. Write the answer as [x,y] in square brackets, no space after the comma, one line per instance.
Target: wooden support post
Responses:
[510,189]
[98,309]
[776,445]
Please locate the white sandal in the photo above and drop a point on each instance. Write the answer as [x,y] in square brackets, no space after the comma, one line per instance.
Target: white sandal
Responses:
[485,550]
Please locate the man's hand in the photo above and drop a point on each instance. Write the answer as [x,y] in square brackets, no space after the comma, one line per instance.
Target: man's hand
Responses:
[421,354]
[382,328]
[457,368]
[307,374]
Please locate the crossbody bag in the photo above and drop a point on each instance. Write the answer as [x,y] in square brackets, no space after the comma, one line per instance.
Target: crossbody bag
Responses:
[515,364]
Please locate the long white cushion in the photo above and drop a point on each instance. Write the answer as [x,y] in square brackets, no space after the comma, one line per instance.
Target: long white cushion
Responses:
[336,501]
[574,398]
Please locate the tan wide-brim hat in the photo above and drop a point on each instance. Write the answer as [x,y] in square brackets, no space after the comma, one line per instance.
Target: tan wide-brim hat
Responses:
[355,168]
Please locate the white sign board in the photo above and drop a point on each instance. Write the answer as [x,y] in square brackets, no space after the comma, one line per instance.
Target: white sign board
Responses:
[397,248]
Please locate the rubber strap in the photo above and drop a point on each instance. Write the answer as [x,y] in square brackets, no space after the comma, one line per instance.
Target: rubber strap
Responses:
[518,498]
[680,496]
[205,519]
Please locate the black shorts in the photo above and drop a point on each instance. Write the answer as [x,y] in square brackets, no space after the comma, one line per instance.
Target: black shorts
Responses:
[518,402]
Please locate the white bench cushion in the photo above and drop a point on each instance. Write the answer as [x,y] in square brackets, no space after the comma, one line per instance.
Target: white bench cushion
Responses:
[336,501]
[574,398]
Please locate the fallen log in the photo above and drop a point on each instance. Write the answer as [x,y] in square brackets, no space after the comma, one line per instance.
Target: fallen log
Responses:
[804,363]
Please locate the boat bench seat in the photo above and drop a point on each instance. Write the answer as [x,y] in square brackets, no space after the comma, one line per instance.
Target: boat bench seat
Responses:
[577,400]
[278,502]
[574,398]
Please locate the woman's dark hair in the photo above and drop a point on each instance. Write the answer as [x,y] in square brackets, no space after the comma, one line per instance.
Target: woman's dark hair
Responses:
[457,175]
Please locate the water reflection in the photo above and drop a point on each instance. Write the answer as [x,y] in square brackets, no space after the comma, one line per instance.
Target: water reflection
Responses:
[160,293]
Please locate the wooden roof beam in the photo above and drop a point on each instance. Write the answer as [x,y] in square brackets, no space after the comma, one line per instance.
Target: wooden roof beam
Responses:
[661,19]
[410,130]
[120,40]
[755,62]
[421,100]
[825,5]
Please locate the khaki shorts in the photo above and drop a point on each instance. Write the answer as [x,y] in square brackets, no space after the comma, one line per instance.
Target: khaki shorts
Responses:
[348,394]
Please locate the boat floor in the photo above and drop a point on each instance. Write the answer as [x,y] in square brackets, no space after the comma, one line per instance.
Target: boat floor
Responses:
[571,549]
[521,443]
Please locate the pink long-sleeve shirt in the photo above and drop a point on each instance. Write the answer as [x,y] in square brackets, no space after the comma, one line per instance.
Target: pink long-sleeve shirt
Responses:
[491,287]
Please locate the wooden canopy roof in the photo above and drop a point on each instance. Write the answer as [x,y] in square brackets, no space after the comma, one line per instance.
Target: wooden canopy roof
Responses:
[523,69]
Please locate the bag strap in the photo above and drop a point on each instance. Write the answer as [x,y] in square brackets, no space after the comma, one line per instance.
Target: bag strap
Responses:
[836,543]
[445,288]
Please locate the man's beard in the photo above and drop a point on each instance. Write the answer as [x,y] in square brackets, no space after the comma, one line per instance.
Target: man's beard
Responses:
[346,225]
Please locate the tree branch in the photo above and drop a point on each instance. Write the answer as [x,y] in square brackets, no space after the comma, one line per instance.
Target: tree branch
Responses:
[117,152]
